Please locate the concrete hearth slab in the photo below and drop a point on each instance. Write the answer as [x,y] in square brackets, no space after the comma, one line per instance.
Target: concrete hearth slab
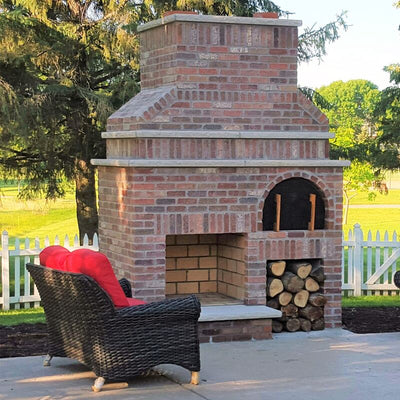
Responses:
[237,312]
[331,364]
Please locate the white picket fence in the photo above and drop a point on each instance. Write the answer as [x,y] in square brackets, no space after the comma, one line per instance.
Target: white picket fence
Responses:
[368,265]
[367,269]
[17,288]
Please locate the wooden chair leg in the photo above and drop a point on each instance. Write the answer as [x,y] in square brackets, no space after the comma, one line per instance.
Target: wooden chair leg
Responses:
[47,360]
[98,384]
[195,378]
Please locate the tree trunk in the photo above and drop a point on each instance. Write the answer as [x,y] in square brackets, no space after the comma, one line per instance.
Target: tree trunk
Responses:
[85,195]
[346,207]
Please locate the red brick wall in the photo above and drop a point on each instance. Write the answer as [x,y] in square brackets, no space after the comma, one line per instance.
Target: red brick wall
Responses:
[140,206]
[226,149]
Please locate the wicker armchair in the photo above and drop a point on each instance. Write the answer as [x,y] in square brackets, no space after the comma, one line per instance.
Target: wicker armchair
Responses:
[115,343]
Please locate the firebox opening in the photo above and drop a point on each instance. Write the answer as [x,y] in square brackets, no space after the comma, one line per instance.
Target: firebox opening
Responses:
[210,266]
[294,204]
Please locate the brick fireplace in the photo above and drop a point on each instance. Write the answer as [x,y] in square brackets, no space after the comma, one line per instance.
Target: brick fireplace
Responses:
[191,160]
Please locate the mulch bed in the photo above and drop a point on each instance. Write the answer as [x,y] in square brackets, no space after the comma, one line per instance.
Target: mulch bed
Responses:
[371,319]
[23,340]
[31,339]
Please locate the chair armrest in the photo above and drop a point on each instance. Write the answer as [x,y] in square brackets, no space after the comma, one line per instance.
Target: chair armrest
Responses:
[126,287]
[187,308]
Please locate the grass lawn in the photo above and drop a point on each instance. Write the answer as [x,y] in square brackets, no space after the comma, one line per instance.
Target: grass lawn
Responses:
[374,219]
[393,197]
[371,301]
[36,218]
[25,316]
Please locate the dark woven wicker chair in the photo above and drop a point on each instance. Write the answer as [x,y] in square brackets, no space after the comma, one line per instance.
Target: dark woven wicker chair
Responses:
[115,343]
[396,279]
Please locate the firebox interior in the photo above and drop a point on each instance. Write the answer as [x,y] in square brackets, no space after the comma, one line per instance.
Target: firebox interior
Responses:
[295,210]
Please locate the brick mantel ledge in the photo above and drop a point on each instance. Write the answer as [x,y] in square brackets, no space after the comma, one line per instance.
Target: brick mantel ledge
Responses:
[204,134]
[213,163]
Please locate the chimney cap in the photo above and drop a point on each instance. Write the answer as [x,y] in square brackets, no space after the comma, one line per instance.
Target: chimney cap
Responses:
[172,12]
[217,19]
[273,15]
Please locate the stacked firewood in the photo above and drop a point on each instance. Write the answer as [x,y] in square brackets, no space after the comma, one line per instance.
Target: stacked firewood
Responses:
[294,287]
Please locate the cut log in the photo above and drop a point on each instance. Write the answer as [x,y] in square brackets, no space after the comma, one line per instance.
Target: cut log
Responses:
[285,298]
[277,326]
[273,303]
[318,325]
[317,273]
[301,269]
[311,285]
[292,283]
[305,325]
[292,325]
[274,287]
[276,268]
[300,298]
[317,299]
[311,312]
[290,310]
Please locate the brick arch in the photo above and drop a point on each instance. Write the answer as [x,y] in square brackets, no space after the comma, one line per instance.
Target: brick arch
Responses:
[315,179]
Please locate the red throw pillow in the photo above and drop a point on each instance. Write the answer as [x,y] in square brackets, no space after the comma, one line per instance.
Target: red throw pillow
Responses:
[135,302]
[54,257]
[97,266]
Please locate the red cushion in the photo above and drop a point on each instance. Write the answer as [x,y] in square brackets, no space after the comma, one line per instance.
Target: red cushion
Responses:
[97,266]
[135,302]
[54,257]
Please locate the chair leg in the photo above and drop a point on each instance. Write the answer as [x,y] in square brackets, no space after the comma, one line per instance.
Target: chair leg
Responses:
[47,360]
[195,378]
[98,384]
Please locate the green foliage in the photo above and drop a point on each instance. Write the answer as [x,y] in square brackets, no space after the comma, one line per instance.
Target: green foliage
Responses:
[351,116]
[312,43]
[358,177]
[388,114]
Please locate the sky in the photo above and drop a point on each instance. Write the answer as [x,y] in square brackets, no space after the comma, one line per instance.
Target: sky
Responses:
[370,43]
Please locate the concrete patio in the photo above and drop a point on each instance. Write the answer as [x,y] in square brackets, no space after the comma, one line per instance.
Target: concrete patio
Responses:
[332,364]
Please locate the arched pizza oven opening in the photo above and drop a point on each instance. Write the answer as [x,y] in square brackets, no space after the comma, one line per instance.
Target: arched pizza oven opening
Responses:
[294,204]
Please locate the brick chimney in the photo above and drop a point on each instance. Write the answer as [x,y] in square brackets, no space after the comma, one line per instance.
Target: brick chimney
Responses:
[219,73]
